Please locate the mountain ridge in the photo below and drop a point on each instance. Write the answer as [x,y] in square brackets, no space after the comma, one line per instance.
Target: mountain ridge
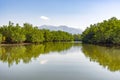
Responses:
[62,28]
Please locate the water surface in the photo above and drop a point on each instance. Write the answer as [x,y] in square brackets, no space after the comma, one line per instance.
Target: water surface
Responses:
[59,61]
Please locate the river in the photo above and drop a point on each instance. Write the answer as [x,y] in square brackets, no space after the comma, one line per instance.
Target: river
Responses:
[59,61]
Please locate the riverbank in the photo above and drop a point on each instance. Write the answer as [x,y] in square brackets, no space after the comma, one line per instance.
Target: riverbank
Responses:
[103,45]
[14,44]
[17,44]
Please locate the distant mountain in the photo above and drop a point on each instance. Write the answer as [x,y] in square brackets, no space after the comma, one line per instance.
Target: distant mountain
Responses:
[62,28]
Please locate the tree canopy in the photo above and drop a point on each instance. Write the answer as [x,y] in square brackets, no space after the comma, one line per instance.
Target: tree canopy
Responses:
[106,32]
[28,33]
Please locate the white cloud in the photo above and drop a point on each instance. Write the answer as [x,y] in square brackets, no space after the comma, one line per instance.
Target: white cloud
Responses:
[44,18]
[43,61]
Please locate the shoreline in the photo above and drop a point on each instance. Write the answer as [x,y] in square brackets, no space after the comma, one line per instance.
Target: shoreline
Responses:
[19,44]
[104,45]
[14,44]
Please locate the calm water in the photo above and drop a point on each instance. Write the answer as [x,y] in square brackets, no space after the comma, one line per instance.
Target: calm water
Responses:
[59,61]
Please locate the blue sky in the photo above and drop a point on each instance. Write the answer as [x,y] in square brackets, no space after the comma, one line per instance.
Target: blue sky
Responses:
[73,13]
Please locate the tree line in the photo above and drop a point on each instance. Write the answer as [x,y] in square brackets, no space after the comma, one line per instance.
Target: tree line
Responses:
[31,34]
[106,32]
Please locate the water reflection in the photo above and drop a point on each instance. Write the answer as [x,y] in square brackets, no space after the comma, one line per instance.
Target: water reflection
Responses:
[108,57]
[15,54]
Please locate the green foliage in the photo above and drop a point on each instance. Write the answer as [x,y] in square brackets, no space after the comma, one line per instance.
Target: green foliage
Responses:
[37,36]
[61,36]
[106,32]
[77,37]
[29,33]
[17,34]
[0,38]
[12,33]
[48,35]
[57,36]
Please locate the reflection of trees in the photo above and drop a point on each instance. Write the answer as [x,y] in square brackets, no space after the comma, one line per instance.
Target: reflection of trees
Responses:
[56,47]
[15,54]
[105,56]
[18,53]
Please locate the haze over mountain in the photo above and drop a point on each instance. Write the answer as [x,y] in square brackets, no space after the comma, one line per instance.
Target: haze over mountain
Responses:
[62,28]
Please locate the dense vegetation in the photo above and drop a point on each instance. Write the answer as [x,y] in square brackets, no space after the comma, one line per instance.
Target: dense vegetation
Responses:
[27,33]
[77,37]
[106,32]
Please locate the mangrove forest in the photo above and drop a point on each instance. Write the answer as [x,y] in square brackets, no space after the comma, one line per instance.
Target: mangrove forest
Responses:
[31,34]
[106,32]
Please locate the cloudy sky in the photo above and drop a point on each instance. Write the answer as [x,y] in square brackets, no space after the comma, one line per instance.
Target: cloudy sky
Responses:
[73,13]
